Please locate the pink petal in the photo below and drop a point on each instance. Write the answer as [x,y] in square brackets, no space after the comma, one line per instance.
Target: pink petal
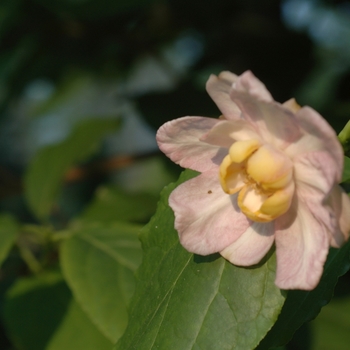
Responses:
[206,218]
[314,175]
[247,82]
[276,124]
[226,132]
[318,135]
[179,139]
[301,249]
[252,245]
[219,90]
[340,203]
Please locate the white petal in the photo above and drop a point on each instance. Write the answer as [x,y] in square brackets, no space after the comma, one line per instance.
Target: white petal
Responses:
[206,218]
[318,135]
[251,246]
[301,247]
[180,140]
[226,132]
[219,90]
[315,177]
[275,124]
[247,82]
[315,174]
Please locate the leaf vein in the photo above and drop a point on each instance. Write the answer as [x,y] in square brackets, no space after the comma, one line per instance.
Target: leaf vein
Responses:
[170,290]
[209,305]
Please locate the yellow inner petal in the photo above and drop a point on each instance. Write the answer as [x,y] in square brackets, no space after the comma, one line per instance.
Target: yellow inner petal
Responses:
[231,175]
[262,175]
[270,168]
[241,150]
[279,202]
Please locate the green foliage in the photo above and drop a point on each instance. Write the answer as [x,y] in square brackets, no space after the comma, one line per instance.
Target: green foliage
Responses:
[77,331]
[344,137]
[45,173]
[184,301]
[112,204]
[98,262]
[331,328]
[39,313]
[8,233]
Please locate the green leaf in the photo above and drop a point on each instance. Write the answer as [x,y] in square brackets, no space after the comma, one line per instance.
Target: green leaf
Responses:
[344,137]
[37,312]
[303,306]
[45,173]
[346,171]
[8,234]
[184,301]
[148,175]
[112,204]
[65,94]
[98,262]
[76,331]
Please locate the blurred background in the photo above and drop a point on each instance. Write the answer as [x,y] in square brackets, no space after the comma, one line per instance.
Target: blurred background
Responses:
[145,62]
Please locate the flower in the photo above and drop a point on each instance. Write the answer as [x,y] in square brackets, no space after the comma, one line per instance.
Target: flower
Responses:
[269,174]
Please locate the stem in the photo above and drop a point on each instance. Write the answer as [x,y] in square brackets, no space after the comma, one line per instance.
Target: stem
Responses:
[61,235]
[29,258]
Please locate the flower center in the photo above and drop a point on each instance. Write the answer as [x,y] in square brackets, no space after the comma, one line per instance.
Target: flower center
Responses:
[262,175]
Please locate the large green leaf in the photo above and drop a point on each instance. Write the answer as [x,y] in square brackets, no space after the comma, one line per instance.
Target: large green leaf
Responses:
[303,306]
[98,262]
[8,233]
[37,312]
[112,204]
[76,331]
[184,301]
[45,173]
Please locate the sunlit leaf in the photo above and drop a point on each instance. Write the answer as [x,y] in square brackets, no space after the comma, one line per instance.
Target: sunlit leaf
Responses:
[112,204]
[148,175]
[38,312]
[45,173]
[98,263]
[184,301]
[8,233]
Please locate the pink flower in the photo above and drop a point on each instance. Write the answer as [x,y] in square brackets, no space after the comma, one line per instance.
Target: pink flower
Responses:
[269,174]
